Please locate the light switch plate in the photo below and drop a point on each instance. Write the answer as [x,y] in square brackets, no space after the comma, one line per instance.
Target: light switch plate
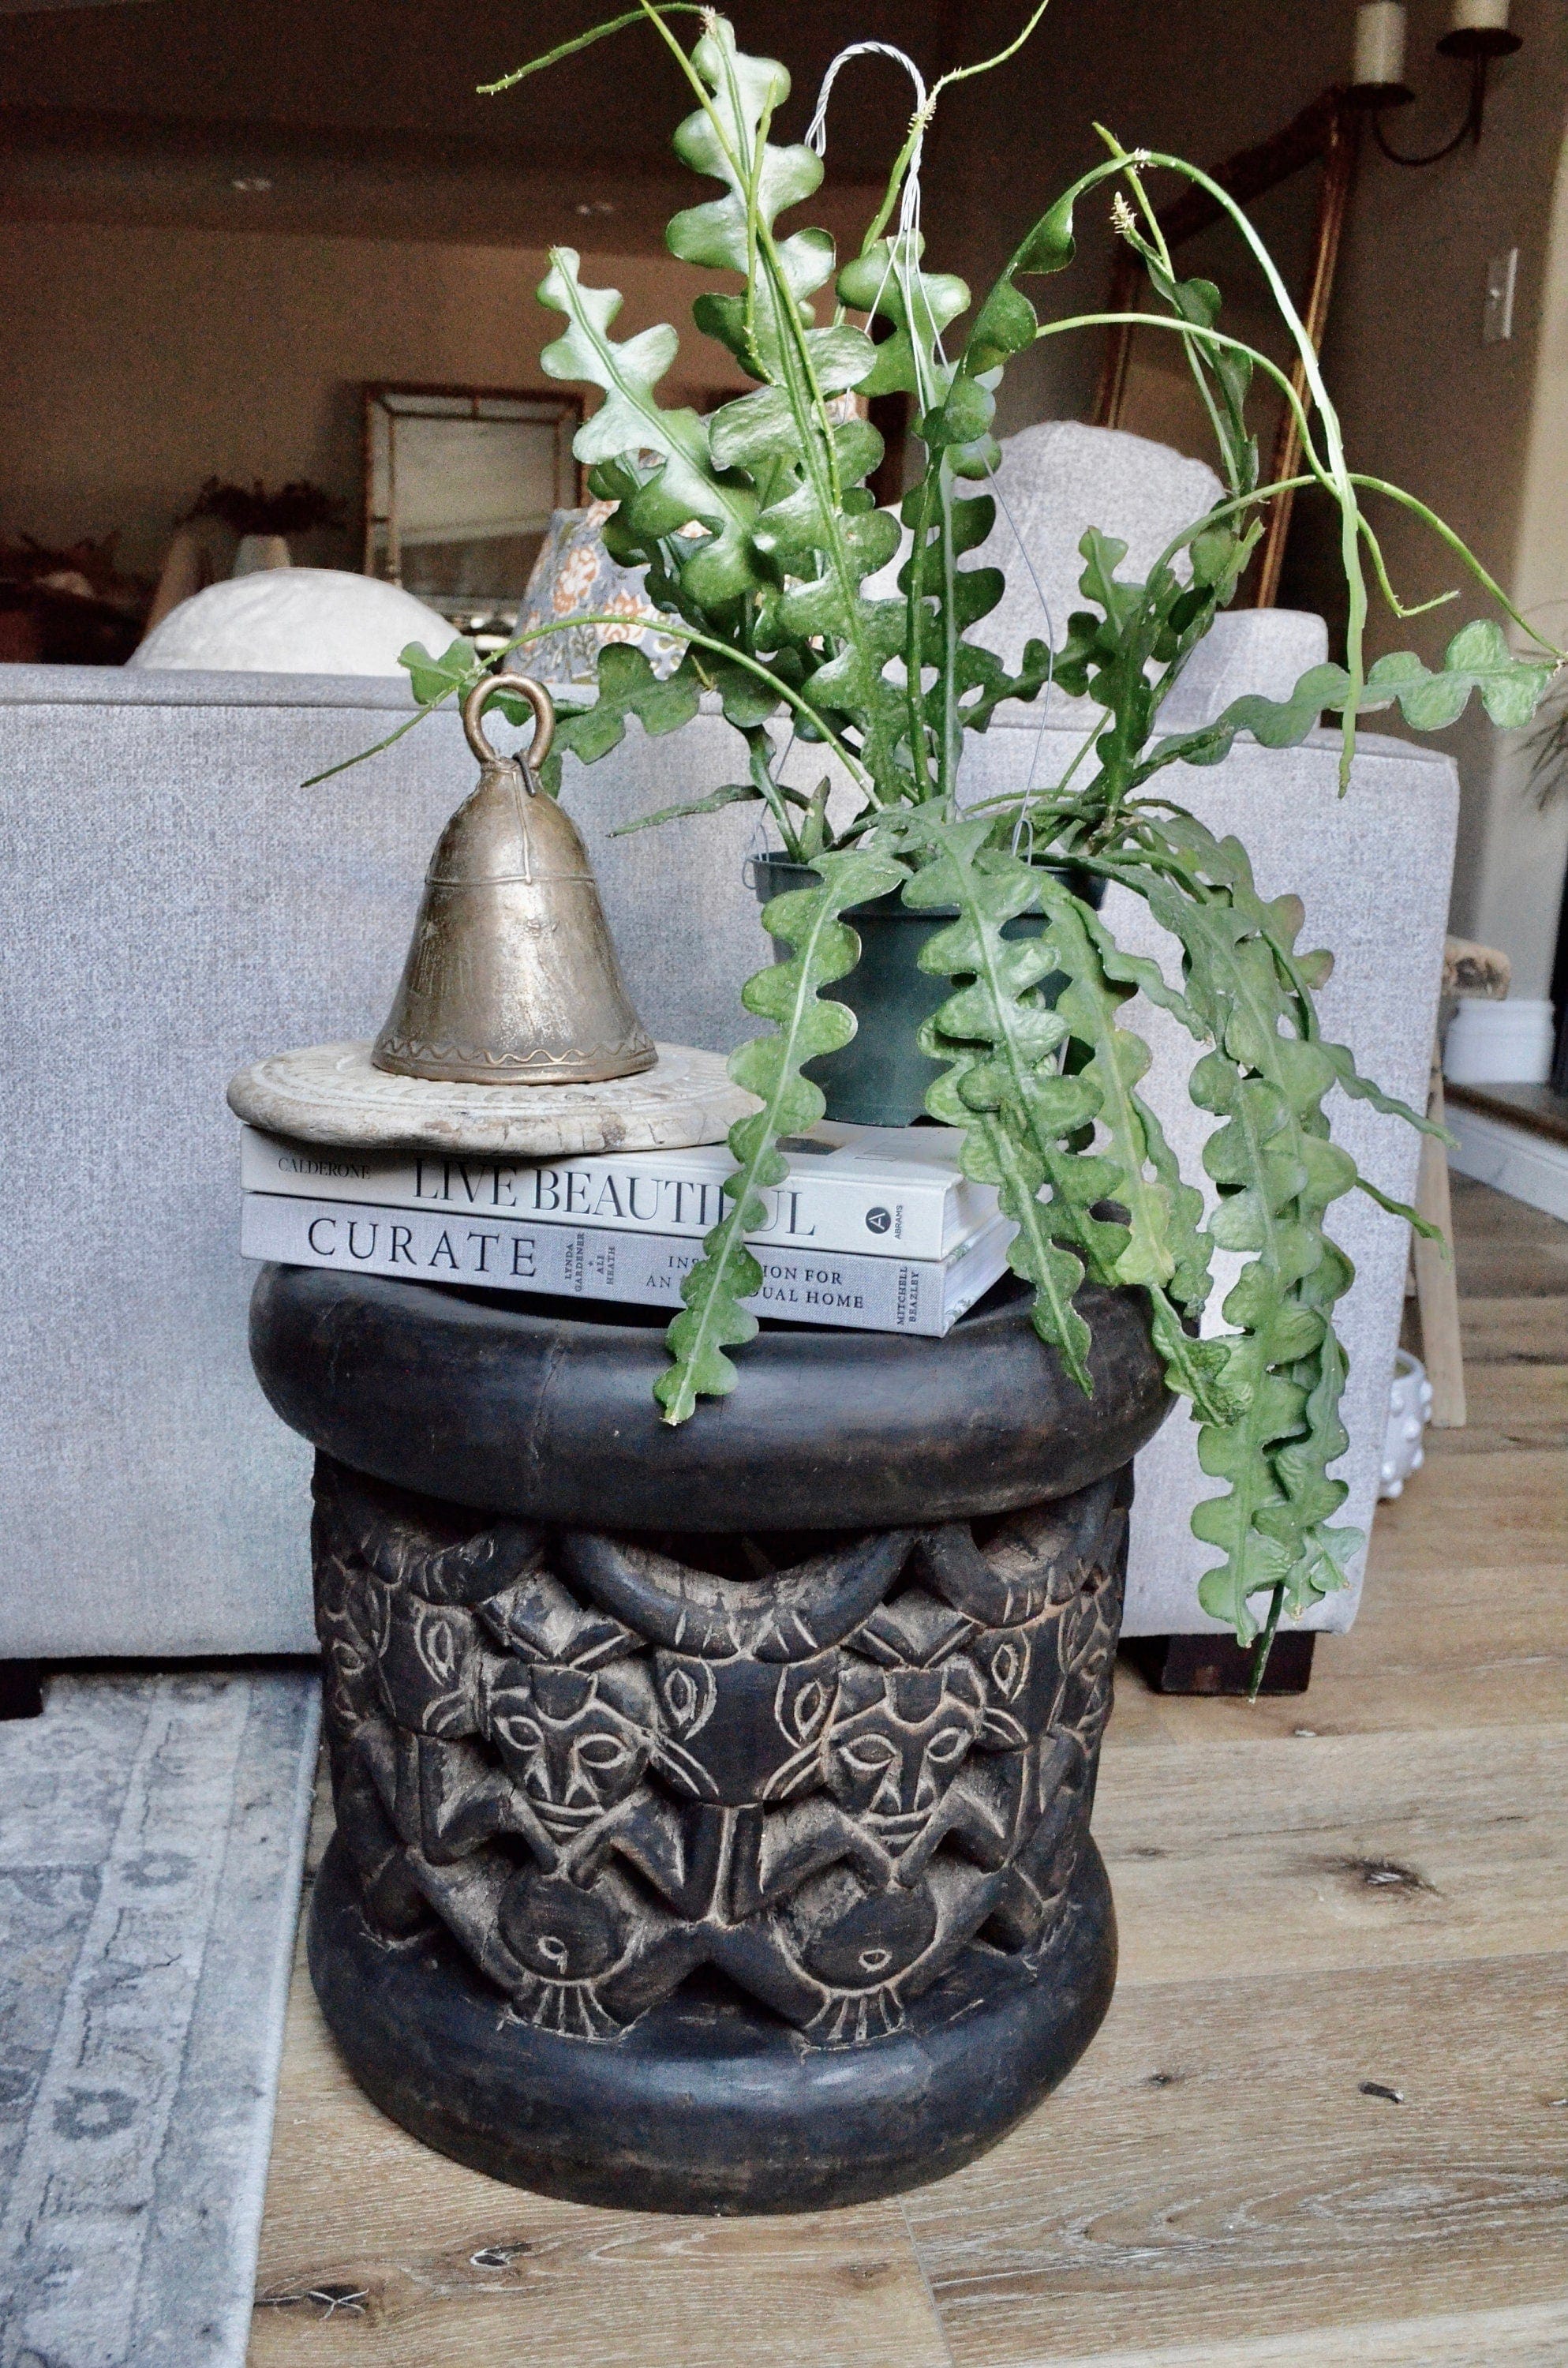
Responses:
[1497,314]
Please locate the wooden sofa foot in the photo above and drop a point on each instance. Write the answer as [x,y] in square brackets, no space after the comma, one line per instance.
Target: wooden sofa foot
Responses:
[21,1690]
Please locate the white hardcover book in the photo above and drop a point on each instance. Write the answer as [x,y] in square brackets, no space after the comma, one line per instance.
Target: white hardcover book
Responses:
[885,1192]
[495,1253]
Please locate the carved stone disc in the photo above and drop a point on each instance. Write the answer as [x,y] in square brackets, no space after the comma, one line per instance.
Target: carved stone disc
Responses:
[331,1093]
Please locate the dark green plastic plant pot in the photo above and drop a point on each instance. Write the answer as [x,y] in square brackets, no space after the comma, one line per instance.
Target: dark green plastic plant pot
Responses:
[880,1076]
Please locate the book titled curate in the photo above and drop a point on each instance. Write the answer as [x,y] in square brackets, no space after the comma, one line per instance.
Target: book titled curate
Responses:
[495,1253]
[893,1191]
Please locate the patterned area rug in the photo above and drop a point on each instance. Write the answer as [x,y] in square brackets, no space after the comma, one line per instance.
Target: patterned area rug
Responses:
[151,1836]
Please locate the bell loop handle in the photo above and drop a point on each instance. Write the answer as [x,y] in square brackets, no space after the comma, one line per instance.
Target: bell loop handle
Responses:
[538,698]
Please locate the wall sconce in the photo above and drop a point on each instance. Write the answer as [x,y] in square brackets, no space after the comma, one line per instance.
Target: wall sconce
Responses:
[1477,30]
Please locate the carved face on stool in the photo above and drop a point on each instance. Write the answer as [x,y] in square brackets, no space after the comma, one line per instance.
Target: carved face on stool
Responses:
[898,1741]
[575,1741]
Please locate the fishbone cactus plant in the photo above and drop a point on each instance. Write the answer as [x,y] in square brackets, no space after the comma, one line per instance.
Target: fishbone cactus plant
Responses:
[758,532]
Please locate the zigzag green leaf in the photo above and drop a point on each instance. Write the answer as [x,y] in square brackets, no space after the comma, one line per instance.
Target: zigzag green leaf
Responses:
[431,680]
[788,993]
[632,420]
[1163,1236]
[887,281]
[1001,1086]
[1276,1172]
[628,686]
[733,793]
[1478,660]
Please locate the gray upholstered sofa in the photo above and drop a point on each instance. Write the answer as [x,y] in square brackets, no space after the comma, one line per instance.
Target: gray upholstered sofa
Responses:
[177,904]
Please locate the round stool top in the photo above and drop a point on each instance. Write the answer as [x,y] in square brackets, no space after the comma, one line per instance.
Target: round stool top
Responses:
[333,1093]
[523,1409]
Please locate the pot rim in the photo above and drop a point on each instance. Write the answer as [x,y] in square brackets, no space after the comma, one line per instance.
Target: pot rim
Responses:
[890,906]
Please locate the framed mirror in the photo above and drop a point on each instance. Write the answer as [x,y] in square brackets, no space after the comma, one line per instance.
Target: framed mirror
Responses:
[1296,188]
[460,483]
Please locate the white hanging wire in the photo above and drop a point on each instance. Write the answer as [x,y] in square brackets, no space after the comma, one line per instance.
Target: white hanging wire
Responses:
[816,129]
[909,196]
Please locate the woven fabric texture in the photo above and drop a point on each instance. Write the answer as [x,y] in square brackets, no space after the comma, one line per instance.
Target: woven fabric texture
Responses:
[181,906]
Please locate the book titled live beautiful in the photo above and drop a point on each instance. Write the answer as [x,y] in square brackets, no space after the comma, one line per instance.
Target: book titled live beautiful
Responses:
[893,1191]
[498,1253]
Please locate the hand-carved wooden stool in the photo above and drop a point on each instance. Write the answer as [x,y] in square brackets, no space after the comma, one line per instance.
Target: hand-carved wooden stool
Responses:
[713,1804]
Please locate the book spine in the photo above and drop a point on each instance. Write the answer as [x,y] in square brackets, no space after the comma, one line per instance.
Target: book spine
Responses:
[871,1295]
[678,1195]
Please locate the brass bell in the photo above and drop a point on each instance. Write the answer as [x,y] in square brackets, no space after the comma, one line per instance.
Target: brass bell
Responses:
[511,978]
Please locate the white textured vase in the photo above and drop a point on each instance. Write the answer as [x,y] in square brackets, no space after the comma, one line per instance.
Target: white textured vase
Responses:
[1499,1044]
[1410,1409]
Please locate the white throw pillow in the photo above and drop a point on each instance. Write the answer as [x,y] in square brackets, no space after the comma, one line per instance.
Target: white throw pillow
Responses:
[295,620]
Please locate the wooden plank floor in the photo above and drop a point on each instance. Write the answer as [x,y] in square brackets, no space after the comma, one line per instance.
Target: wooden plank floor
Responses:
[1325,2124]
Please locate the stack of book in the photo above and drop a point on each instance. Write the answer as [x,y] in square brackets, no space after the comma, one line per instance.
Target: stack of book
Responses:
[875,1228]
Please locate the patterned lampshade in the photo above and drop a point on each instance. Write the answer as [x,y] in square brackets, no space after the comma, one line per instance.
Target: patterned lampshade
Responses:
[575,576]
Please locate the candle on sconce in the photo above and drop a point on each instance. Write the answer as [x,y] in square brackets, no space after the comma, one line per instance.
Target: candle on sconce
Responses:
[1380,43]
[1479,17]
[1478,32]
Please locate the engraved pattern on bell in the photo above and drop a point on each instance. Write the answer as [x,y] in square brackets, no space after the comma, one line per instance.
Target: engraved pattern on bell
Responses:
[512,977]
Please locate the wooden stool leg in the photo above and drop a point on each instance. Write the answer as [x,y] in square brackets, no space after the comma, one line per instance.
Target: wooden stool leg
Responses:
[1437,1285]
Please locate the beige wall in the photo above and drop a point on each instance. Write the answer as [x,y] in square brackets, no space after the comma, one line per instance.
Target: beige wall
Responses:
[1522,849]
[1202,80]
[1521,859]
[1480,432]
[135,362]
